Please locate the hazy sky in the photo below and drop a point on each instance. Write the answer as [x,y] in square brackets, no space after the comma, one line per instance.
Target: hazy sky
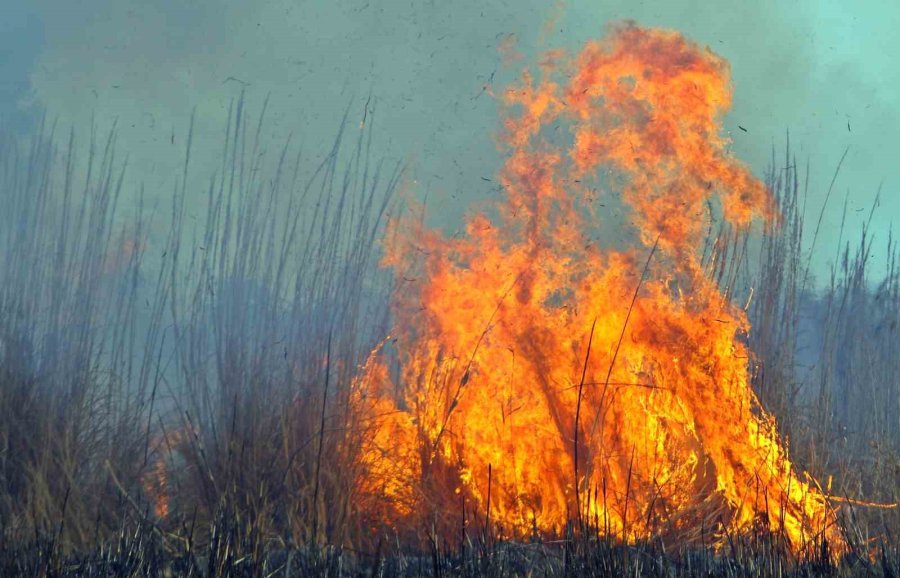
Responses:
[824,69]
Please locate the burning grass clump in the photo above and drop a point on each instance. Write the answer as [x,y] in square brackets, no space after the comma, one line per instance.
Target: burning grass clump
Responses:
[548,373]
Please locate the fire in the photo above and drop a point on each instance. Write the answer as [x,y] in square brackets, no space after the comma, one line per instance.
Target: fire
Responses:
[553,364]
[155,485]
[155,481]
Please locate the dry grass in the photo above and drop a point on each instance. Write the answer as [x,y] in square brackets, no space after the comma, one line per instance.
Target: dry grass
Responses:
[180,403]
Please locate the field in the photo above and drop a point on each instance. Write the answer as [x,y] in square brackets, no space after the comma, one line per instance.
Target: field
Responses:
[188,390]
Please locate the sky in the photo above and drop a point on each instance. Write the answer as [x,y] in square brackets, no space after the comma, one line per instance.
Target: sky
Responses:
[822,69]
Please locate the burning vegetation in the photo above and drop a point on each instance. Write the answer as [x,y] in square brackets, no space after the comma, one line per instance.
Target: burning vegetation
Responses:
[571,385]
[549,372]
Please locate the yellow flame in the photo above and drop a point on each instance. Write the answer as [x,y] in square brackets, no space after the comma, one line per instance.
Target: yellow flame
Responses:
[494,326]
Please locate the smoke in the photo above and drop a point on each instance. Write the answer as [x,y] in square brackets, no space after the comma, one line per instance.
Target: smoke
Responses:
[430,69]
[21,37]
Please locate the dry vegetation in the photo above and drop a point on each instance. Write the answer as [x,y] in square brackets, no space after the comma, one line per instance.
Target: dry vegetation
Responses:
[180,403]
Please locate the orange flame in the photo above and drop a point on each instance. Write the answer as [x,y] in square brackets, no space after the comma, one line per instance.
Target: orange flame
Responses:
[155,481]
[556,365]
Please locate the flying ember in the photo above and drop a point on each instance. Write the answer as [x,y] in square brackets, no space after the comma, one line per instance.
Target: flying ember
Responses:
[567,358]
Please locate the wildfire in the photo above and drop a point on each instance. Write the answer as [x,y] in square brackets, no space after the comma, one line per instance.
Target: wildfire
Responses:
[553,364]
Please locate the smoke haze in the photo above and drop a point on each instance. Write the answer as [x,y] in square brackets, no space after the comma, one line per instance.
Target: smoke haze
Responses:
[426,69]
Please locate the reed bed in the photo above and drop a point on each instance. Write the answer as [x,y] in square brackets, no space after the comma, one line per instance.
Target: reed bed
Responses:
[176,386]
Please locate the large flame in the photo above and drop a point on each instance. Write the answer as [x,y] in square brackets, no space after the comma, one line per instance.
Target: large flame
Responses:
[554,364]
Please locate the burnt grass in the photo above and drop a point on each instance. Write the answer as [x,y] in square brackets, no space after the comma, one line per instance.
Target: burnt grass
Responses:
[182,348]
[141,552]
